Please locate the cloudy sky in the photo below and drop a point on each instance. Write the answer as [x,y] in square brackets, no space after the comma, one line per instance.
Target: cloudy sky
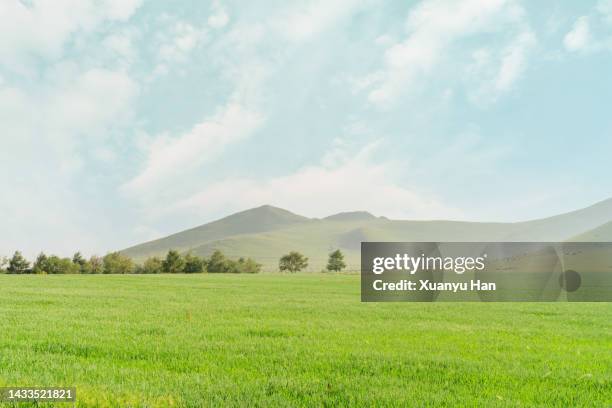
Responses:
[124,120]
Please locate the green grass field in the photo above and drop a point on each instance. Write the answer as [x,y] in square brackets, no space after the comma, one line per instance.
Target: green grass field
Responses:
[293,340]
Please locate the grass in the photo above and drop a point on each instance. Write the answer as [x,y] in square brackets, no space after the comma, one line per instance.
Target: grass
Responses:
[294,340]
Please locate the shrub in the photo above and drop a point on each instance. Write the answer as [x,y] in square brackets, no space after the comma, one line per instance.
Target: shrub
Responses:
[247,266]
[94,265]
[152,265]
[217,263]
[194,264]
[54,265]
[115,262]
[173,263]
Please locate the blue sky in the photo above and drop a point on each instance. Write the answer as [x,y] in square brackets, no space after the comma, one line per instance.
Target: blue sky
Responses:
[125,120]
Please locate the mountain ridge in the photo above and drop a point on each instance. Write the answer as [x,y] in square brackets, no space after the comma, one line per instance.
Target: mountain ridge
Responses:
[350,216]
[267,232]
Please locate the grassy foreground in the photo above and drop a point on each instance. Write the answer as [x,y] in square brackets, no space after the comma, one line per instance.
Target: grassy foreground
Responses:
[287,340]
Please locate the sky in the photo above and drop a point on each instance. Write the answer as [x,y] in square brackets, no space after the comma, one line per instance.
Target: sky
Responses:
[125,120]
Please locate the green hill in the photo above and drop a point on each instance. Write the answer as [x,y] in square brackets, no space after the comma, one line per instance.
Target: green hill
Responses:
[266,233]
[253,221]
[565,226]
[602,233]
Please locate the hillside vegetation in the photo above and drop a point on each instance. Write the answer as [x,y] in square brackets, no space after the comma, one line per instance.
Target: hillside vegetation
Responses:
[266,233]
[599,234]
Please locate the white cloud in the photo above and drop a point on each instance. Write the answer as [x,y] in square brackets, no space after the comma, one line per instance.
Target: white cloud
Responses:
[119,9]
[589,34]
[384,40]
[53,127]
[291,25]
[44,130]
[434,26]
[104,154]
[42,28]
[341,182]
[47,220]
[604,7]
[183,38]
[67,107]
[579,38]
[121,44]
[170,157]
[91,100]
[514,61]
[496,71]
[218,18]
[176,44]
[16,118]
[304,20]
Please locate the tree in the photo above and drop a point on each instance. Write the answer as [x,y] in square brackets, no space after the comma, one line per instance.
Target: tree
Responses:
[217,263]
[56,265]
[336,261]
[247,266]
[40,265]
[78,260]
[94,265]
[293,262]
[152,265]
[194,264]
[115,262]
[173,263]
[18,264]
[3,263]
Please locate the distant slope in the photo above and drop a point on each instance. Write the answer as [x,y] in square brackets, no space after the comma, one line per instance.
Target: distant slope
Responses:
[563,227]
[255,220]
[351,216]
[266,233]
[599,234]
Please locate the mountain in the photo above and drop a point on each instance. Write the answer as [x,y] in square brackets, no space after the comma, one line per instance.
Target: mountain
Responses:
[602,233]
[255,220]
[266,233]
[563,227]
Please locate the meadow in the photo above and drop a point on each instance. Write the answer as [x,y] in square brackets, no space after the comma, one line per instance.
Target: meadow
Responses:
[293,340]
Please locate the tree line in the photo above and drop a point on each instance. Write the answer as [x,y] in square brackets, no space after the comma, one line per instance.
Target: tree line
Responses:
[117,263]
[174,262]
